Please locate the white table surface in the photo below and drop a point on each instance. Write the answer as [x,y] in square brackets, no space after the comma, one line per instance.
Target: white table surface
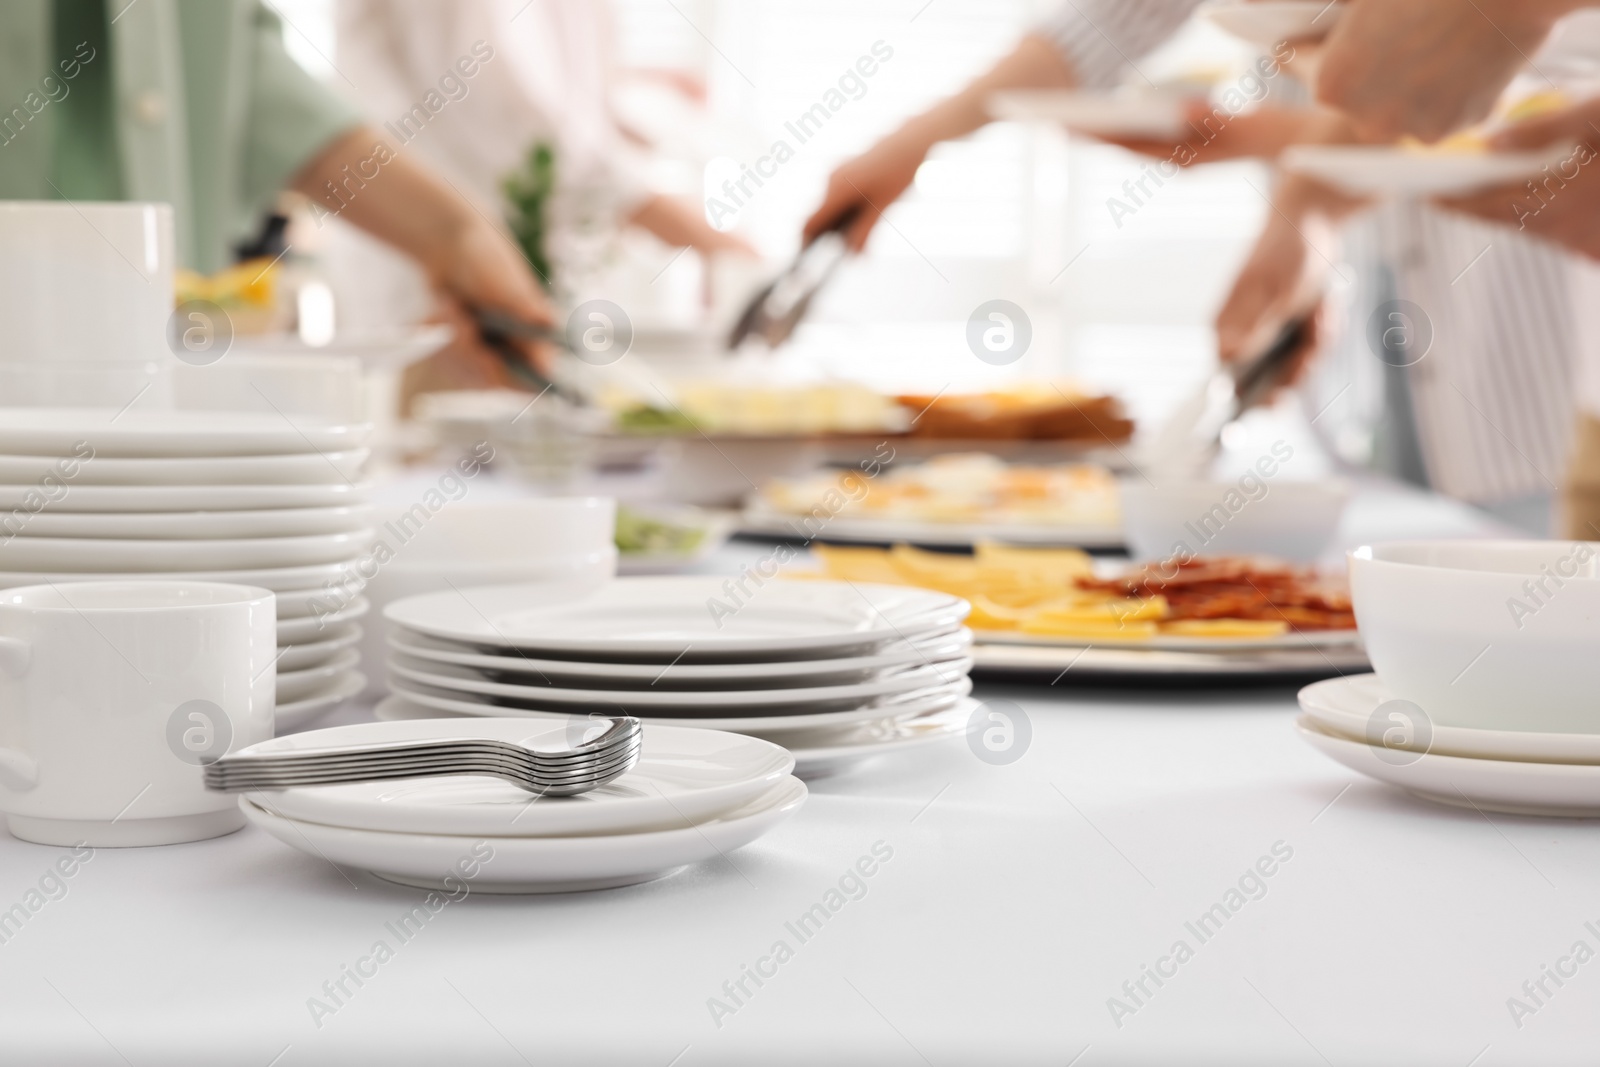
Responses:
[1018,900]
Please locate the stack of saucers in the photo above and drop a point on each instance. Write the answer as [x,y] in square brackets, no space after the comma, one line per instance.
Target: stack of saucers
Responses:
[252,498]
[693,796]
[837,672]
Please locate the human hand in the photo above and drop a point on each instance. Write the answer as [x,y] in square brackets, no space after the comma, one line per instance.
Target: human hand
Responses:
[1563,204]
[1214,135]
[478,268]
[866,186]
[1427,67]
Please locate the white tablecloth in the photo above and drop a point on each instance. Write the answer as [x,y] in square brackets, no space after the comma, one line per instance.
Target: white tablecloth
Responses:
[1012,922]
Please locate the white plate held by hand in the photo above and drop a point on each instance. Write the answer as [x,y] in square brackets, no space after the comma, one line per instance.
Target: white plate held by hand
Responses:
[1382,170]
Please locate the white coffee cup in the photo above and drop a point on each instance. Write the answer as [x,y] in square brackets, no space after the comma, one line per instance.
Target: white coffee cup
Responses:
[112,697]
[1488,635]
[85,281]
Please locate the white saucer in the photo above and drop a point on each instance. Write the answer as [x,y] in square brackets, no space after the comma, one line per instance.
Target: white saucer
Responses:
[682,777]
[48,431]
[1266,22]
[676,701]
[820,753]
[146,498]
[664,619]
[342,688]
[93,555]
[1346,706]
[1381,170]
[1152,115]
[933,649]
[905,705]
[533,864]
[303,683]
[311,468]
[1564,789]
[197,525]
[306,654]
[316,628]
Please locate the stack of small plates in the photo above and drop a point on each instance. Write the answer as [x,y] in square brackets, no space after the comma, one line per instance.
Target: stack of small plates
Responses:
[256,499]
[837,672]
[694,795]
[1359,723]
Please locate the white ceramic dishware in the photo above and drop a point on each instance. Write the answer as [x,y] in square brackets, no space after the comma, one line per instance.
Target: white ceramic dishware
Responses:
[306,682]
[1561,789]
[310,468]
[682,777]
[939,648]
[91,555]
[900,706]
[826,752]
[111,696]
[320,623]
[1294,639]
[169,498]
[144,434]
[300,603]
[321,575]
[1354,707]
[1487,635]
[1114,114]
[692,619]
[1266,22]
[304,654]
[85,281]
[1384,170]
[533,864]
[296,713]
[194,525]
[1293,520]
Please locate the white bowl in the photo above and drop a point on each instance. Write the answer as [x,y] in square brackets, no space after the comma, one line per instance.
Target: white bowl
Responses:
[1266,22]
[1250,516]
[1490,635]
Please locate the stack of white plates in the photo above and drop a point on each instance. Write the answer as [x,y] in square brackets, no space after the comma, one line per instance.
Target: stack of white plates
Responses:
[694,795]
[837,672]
[252,498]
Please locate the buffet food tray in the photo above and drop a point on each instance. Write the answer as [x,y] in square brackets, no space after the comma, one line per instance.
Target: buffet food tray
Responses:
[1061,664]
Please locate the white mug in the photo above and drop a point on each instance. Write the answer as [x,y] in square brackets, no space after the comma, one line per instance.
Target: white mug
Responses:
[113,695]
[85,281]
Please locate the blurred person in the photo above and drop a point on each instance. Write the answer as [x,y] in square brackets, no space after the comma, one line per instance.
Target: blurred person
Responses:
[197,104]
[473,86]
[1485,419]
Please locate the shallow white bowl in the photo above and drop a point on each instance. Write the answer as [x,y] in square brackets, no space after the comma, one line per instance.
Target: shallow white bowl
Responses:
[1290,520]
[1491,635]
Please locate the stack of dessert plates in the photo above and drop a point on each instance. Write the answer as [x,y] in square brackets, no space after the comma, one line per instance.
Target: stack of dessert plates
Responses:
[837,672]
[252,498]
[693,796]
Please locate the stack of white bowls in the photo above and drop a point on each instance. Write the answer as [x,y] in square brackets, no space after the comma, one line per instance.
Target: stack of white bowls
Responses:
[1486,677]
[693,796]
[836,672]
[253,498]
[564,547]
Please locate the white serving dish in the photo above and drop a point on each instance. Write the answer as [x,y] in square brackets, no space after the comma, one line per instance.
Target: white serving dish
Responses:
[93,555]
[138,433]
[168,498]
[1382,170]
[197,525]
[1288,520]
[312,468]
[1115,114]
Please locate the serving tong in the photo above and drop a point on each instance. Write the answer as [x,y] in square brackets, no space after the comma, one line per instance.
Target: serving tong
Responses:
[561,773]
[775,311]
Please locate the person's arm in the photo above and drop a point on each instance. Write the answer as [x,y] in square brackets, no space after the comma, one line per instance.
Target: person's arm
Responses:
[683,226]
[875,179]
[1563,204]
[1427,67]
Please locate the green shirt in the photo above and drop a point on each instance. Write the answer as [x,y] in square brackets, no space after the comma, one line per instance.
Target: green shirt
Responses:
[190,102]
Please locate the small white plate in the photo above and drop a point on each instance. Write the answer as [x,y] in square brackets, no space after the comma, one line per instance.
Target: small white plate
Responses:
[315,628]
[533,864]
[682,777]
[819,753]
[197,525]
[298,685]
[1174,643]
[694,619]
[1142,115]
[138,433]
[709,675]
[299,657]
[1266,22]
[1565,789]
[312,468]
[376,351]
[274,578]
[300,603]
[1374,170]
[91,555]
[122,499]
[296,712]
[679,701]
[905,706]
[1347,706]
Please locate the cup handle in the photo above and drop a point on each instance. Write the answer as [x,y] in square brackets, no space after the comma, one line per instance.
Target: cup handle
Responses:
[17,769]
